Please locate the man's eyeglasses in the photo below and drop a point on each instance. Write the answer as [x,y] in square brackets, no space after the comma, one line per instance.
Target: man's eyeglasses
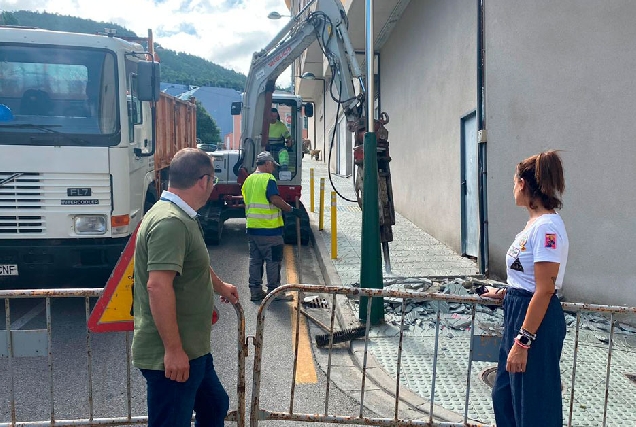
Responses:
[214,180]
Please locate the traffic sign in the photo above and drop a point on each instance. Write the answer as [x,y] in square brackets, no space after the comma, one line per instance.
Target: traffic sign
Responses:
[113,311]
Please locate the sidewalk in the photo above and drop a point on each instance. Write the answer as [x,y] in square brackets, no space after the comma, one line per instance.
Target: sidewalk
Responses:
[422,263]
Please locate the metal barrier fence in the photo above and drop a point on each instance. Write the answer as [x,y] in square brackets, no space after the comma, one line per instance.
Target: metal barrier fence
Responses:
[39,342]
[25,343]
[478,351]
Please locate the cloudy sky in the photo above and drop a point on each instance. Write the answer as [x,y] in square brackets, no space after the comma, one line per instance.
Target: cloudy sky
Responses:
[226,32]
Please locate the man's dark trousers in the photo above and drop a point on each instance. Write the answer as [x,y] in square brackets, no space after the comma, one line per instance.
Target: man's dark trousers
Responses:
[170,403]
[266,250]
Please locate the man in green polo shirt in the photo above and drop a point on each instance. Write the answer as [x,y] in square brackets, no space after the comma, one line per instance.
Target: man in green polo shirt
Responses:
[174,301]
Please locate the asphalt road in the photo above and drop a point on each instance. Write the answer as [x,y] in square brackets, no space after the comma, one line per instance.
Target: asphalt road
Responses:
[70,362]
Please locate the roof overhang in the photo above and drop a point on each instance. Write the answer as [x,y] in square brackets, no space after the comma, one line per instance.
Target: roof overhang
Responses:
[386,15]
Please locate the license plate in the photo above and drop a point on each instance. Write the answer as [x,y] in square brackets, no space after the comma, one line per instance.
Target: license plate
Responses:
[8,269]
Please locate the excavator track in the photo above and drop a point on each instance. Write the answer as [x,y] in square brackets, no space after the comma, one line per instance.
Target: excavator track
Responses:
[212,232]
[211,224]
[289,231]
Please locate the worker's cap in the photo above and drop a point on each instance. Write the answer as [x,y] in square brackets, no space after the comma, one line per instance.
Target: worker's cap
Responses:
[265,156]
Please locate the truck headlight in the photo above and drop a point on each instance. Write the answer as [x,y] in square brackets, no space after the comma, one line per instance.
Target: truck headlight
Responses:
[90,224]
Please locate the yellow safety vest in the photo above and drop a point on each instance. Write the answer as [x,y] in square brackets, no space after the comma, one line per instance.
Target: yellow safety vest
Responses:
[278,130]
[259,212]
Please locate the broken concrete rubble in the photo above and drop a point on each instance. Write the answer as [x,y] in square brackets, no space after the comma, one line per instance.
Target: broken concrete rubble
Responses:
[457,316]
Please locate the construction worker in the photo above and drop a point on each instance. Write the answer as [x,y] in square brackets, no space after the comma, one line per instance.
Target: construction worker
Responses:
[263,211]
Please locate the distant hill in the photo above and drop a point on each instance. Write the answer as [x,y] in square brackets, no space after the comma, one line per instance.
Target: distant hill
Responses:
[176,67]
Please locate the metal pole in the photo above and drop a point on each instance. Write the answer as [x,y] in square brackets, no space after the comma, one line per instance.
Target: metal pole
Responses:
[315,133]
[482,153]
[371,259]
[370,59]
[334,227]
[311,188]
[321,204]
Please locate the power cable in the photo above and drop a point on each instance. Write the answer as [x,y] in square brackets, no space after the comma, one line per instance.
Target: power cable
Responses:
[333,137]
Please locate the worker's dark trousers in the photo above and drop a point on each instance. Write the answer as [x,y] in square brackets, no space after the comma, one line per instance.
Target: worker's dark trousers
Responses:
[267,250]
[531,398]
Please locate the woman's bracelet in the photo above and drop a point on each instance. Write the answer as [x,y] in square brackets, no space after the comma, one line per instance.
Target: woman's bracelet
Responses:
[517,342]
[528,334]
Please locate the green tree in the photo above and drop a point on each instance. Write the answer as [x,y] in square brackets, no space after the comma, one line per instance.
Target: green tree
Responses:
[207,130]
[8,18]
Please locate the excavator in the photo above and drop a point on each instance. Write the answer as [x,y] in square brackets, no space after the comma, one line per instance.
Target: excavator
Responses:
[325,21]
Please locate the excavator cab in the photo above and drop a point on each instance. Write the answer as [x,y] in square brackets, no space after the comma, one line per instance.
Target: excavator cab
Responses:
[288,128]
[285,134]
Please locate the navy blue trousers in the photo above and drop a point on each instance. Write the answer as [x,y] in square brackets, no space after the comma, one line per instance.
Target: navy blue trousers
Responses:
[531,398]
[170,403]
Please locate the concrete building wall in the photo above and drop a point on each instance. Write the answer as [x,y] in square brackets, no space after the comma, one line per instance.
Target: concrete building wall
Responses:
[428,82]
[561,75]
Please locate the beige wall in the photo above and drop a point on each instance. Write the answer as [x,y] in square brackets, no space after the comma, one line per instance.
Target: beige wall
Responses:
[557,75]
[428,82]
[561,75]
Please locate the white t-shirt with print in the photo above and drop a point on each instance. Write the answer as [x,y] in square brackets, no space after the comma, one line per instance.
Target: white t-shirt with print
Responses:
[544,240]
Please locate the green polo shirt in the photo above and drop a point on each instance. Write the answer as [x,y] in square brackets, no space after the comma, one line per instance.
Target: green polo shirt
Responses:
[169,239]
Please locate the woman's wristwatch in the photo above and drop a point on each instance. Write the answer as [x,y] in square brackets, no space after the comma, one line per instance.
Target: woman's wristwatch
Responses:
[523,340]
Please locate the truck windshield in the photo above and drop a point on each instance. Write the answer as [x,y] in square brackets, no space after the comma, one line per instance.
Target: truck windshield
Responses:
[54,95]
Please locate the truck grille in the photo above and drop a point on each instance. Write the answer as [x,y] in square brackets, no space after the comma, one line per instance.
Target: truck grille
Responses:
[20,191]
[22,224]
[27,198]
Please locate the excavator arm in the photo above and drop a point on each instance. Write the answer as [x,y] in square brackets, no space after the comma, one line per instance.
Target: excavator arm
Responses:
[328,25]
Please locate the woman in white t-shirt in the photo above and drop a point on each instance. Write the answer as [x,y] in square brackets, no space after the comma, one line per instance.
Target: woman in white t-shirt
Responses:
[527,390]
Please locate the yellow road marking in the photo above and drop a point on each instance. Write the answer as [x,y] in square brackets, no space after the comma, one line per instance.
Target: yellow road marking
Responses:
[306,371]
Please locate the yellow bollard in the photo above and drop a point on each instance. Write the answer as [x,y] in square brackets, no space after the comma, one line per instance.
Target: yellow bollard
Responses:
[334,227]
[311,189]
[321,206]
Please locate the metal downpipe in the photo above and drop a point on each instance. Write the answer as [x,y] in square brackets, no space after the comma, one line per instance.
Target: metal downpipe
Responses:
[482,159]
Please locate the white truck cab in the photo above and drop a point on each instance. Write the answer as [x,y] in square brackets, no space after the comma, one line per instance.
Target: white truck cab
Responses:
[76,142]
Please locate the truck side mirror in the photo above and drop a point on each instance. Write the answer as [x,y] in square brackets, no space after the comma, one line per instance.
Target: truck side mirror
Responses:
[309,109]
[148,78]
[236,108]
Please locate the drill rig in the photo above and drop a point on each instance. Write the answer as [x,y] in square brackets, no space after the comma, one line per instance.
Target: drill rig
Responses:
[325,21]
